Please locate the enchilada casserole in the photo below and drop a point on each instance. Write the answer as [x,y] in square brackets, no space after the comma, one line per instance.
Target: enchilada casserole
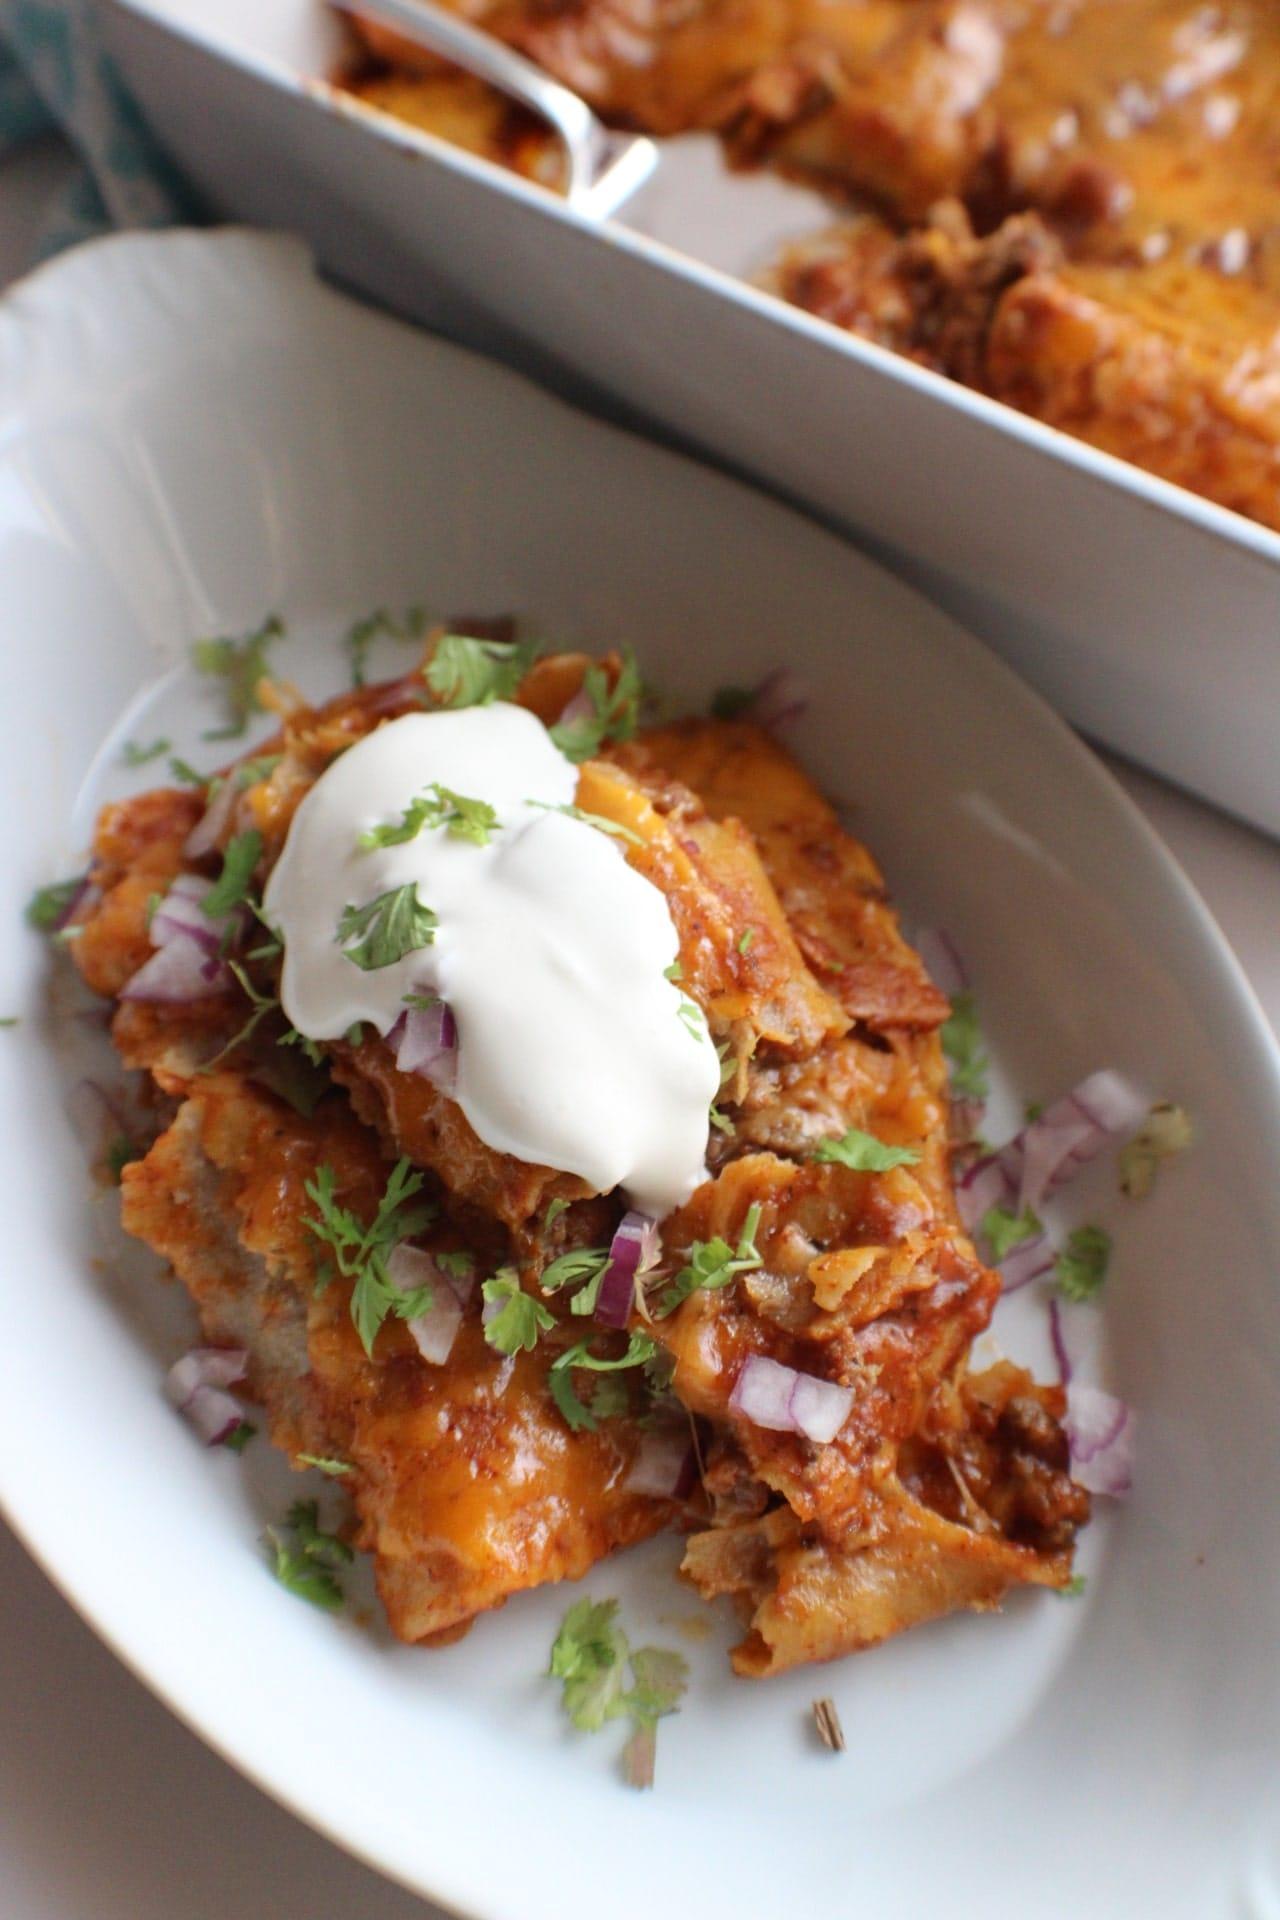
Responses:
[1069,205]
[784,1376]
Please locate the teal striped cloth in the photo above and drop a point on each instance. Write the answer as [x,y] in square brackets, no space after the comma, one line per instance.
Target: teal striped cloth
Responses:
[56,77]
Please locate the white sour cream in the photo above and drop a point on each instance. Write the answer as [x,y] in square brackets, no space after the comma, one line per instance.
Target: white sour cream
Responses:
[550,949]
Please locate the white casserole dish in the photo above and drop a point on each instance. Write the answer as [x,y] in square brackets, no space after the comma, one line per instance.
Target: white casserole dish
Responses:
[1149,616]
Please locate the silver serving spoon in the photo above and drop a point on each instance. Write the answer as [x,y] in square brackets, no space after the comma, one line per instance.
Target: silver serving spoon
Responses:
[604,168]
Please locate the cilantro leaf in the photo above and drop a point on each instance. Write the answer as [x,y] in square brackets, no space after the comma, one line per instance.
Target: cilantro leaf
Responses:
[614,715]
[361,1252]
[863,1152]
[459,1265]
[745,938]
[244,850]
[185,773]
[713,1264]
[602,1679]
[599,821]
[240,1436]
[241,664]
[962,1044]
[465,672]
[261,767]
[1073,1588]
[1082,1267]
[579,1263]
[465,819]
[47,905]
[325,1463]
[555,1208]
[394,924]
[520,1319]
[379,624]
[305,1565]
[589,1654]
[641,1349]
[693,1019]
[135,754]
[303,1578]
[1003,1230]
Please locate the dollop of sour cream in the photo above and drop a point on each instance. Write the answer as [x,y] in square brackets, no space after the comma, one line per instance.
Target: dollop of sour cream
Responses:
[549,948]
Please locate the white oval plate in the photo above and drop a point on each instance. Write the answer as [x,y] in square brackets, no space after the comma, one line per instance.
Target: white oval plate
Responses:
[192,432]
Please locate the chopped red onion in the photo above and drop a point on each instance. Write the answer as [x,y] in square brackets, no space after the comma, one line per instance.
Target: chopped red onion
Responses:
[1101,1430]
[635,1248]
[666,1465]
[1052,1149]
[188,963]
[982,1186]
[581,707]
[176,973]
[771,1395]
[780,699]
[434,1331]
[942,960]
[1030,1260]
[426,1042]
[1101,1433]
[196,1385]
[207,833]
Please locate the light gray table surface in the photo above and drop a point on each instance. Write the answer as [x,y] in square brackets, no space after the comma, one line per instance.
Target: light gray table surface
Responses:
[109,1809]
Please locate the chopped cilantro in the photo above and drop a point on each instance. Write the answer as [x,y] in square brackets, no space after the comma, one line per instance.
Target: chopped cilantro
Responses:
[9,1020]
[380,624]
[465,672]
[361,1252]
[394,924]
[962,1045]
[745,938]
[554,1209]
[863,1152]
[1073,1588]
[713,1264]
[599,821]
[135,754]
[47,905]
[185,773]
[242,665]
[674,973]
[520,1319]
[240,1436]
[1166,1131]
[693,1019]
[602,1679]
[1004,1230]
[261,767]
[728,1064]
[310,1049]
[641,1348]
[580,1263]
[465,819]
[232,885]
[459,1266]
[120,1153]
[325,1463]
[614,715]
[306,1564]
[1082,1267]
[720,1121]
